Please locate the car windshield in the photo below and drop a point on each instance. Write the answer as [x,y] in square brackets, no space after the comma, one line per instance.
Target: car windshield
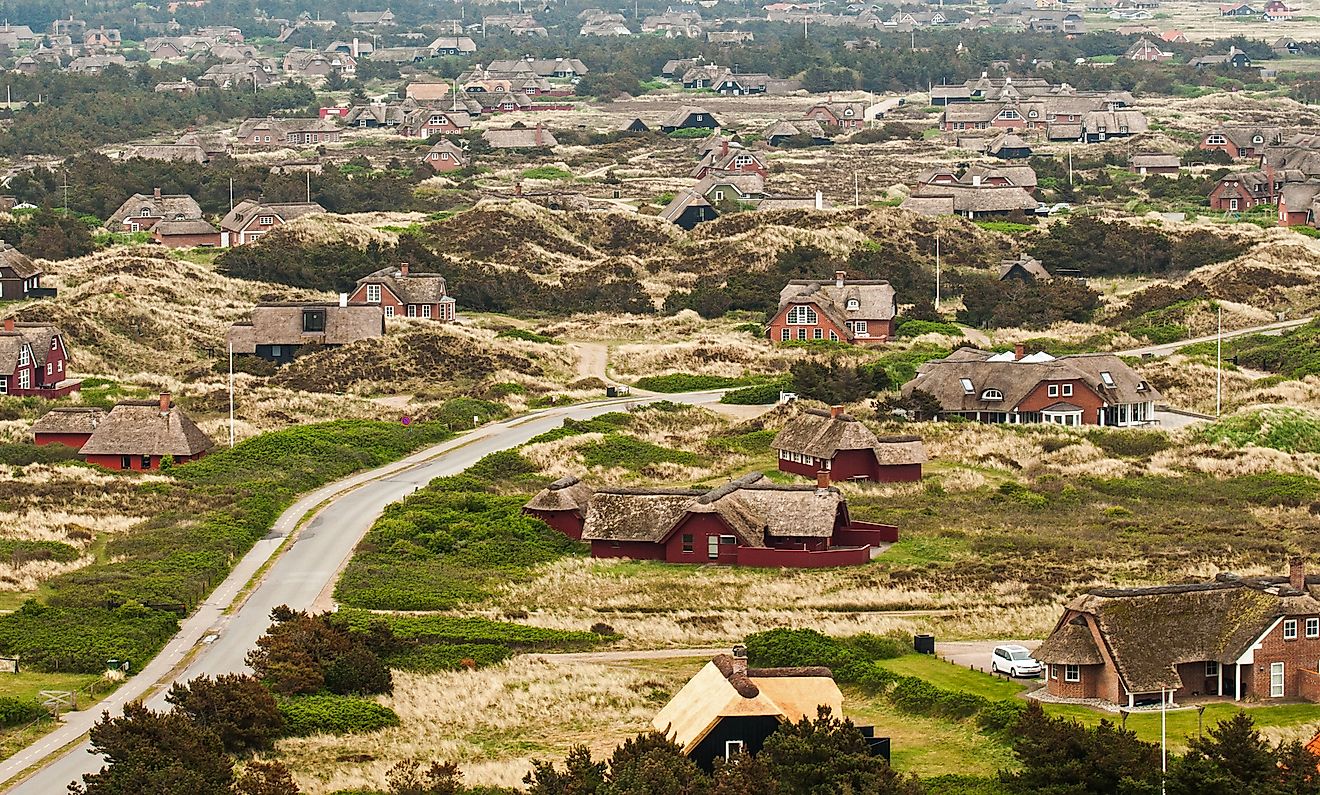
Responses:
[1020,655]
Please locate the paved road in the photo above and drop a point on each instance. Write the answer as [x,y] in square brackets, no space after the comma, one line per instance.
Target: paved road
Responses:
[296,578]
[1272,329]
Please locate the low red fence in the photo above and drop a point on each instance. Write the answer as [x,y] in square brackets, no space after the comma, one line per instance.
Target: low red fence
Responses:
[858,533]
[1308,685]
[802,558]
[64,389]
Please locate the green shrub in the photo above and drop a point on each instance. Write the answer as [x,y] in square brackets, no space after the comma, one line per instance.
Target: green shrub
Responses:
[15,711]
[17,552]
[1130,443]
[915,328]
[1292,430]
[1006,227]
[998,716]
[687,382]
[692,132]
[82,639]
[527,336]
[308,715]
[547,172]
[760,395]
[438,657]
[618,450]
[432,629]
[21,455]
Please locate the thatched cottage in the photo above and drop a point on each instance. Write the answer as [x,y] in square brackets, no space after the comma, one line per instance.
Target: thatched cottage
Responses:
[405,293]
[750,521]
[728,708]
[1014,387]
[857,311]
[815,442]
[1241,638]
[277,332]
[134,434]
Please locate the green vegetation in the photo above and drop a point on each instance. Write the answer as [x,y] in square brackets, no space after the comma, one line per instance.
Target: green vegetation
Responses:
[687,382]
[691,132]
[1006,227]
[1295,353]
[527,336]
[760,395]
[19,552]
[548,173]
[618,450]
[1292,430]
[449,543]
[308,715]
[125,605]
[915,328]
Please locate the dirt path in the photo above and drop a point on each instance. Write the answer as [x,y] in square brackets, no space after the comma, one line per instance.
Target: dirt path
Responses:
[593,361]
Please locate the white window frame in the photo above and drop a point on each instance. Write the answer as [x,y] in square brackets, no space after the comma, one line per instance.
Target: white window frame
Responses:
[1052,390]
[712,547]
[1066,390]
[1290,629]
[732,747]
[266,220]
[1072,672]
[1107,378]
[801,315]
[24,357]
[785,335]
[1211,669]
[1215,139]
[1277,672]
[968,387]
[389,310]
[854,304]
[412,310]
[1313,627]
[426,310]
[992,394]
[24,379]
[373,293]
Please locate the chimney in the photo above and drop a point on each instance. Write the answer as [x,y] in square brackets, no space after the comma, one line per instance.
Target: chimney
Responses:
[517,189]
[539,136]
[355,46]
[164,402]
[976,180]
[1019,350]
[724,147]
[820,200]
[839,276]
[739,659]
[822,480]
[9,324]
[836,411]
[156,193]
[403,269]
[1297,574]
[343,299]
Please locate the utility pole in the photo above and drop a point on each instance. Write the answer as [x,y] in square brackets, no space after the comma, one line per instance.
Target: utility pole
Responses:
[1070,169]
[1164,739]
[66,192]
[231,394]
[231,194]
[1219,363]
[309,187]
[857,196]
[937,269]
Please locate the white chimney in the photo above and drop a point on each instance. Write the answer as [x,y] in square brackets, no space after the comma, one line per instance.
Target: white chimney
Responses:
[839,277]
[820,200]
[343,299]
[976,180]
[355,46]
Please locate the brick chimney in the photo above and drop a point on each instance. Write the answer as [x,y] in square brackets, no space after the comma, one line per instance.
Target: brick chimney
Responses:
[517,189]
[724,147]
[403,269]
[1019,350]
[1297,573]
[156,193]
[839,276]
[540,137]
[739,656]
[836,411]
[822,480]
[9,324]
[164,402]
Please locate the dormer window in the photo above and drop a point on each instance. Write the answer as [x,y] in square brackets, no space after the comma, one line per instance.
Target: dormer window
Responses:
[145,212]
[854,304]
[802,315]
[1258,139]
[313,321]
[968,389]
[992,394]
[1142,386]
[373,293]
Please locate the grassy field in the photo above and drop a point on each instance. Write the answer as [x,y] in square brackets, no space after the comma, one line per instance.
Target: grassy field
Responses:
[1285,721]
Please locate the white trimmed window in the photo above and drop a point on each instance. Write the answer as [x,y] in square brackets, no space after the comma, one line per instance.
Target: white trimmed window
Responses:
[266,220]
[1067,390]
[24,358]
[1053,390]
[968,389]
[784,335]
[1215,139]
[373,293]
[992,394]
[1290,629]
[1211,670]
[1313,627]
[1072,673]
[426,310]
[818,333]
[833,336]
[802,315]
[389,311]
[25,379]
[412,310]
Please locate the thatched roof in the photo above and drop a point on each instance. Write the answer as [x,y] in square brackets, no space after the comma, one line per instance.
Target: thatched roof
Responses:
[39,336]
[1071,644]
[237,219]
[821,434]
[191,226]
[566,494]
[410,288]
[282,324]
[680,116]
[1155,160]
[14,264]
[978,198]
[681,202]
[1150,631]
[1024,266]
[139,427]
[870,299]
[1016,378]
[520,138]
[724,688]
[751,507]
[171,153]
[69,420]
[172,206]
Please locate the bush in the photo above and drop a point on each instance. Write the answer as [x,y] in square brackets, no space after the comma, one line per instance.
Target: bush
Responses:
[14,711]
[527,336]
[308,715]
[915,328]
[760,395]
[687,382]
[435,658]
[998,716]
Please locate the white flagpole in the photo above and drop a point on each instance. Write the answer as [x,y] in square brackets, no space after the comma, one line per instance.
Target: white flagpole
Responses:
[937,269]
[231,394]
[1219,364]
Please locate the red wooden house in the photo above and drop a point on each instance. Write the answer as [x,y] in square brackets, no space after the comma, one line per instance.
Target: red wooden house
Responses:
[1242,142]
[138,434]
[844,115]
[445,156]
[857,311]
[1240,638]
[730,158]
[814,443]
[33,361]
[747,522]
[70,426]
[403,293]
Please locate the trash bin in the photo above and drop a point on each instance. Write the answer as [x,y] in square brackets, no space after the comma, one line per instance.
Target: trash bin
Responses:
[611,391]
[924,644]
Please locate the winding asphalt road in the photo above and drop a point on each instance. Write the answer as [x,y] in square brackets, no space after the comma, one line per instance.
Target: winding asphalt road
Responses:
[1269,329]
[214,640]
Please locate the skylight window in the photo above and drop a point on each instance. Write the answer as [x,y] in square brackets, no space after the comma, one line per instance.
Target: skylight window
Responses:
[967,386]
[1107,377]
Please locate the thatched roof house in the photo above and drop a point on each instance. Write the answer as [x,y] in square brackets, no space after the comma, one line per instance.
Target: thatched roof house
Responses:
[857,311]
[1233,636]
[816,441]
[749,521]
[403,291]
[1024,269]
[1013,387]
[277,331]
[137,434]
[727,707]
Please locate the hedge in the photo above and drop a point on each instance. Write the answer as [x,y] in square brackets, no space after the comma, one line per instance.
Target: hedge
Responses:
[308,715]
[435,658]
[459,630]
[687,382]
[15,711]
[759,395]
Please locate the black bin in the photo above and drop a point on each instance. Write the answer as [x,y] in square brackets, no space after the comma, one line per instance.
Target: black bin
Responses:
[924,644]
[611,391]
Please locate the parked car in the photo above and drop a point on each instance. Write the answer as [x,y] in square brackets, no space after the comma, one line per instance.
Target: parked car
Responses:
[1015,661]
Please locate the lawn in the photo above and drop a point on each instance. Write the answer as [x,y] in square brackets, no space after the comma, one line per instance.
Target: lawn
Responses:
[1182,723]
[948,676]
[28,684]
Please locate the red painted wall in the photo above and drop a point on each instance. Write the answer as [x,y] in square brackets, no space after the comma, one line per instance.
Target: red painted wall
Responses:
[633,550]
[700,527]
[898,473]
[567,522]
[802,559]
[112,461]
[859,533]
[72,440]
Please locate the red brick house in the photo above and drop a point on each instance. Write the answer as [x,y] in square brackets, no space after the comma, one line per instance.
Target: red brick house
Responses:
[1242,142]
[33,361]
[138,434]
[747,522]
[70,426]
[1147,50]
[1242,190]
[400,292]
[249,219]
[1297,203]
[140,212]
[187,234]
[1016,388]
[844,115]
[856,311]
[445,156]
[287,132]
[816,442]
[730,158]
[1233,637]
[425,122]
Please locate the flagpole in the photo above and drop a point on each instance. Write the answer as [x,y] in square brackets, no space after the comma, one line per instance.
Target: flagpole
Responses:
[231,394]
[1219,364]
[937,269]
